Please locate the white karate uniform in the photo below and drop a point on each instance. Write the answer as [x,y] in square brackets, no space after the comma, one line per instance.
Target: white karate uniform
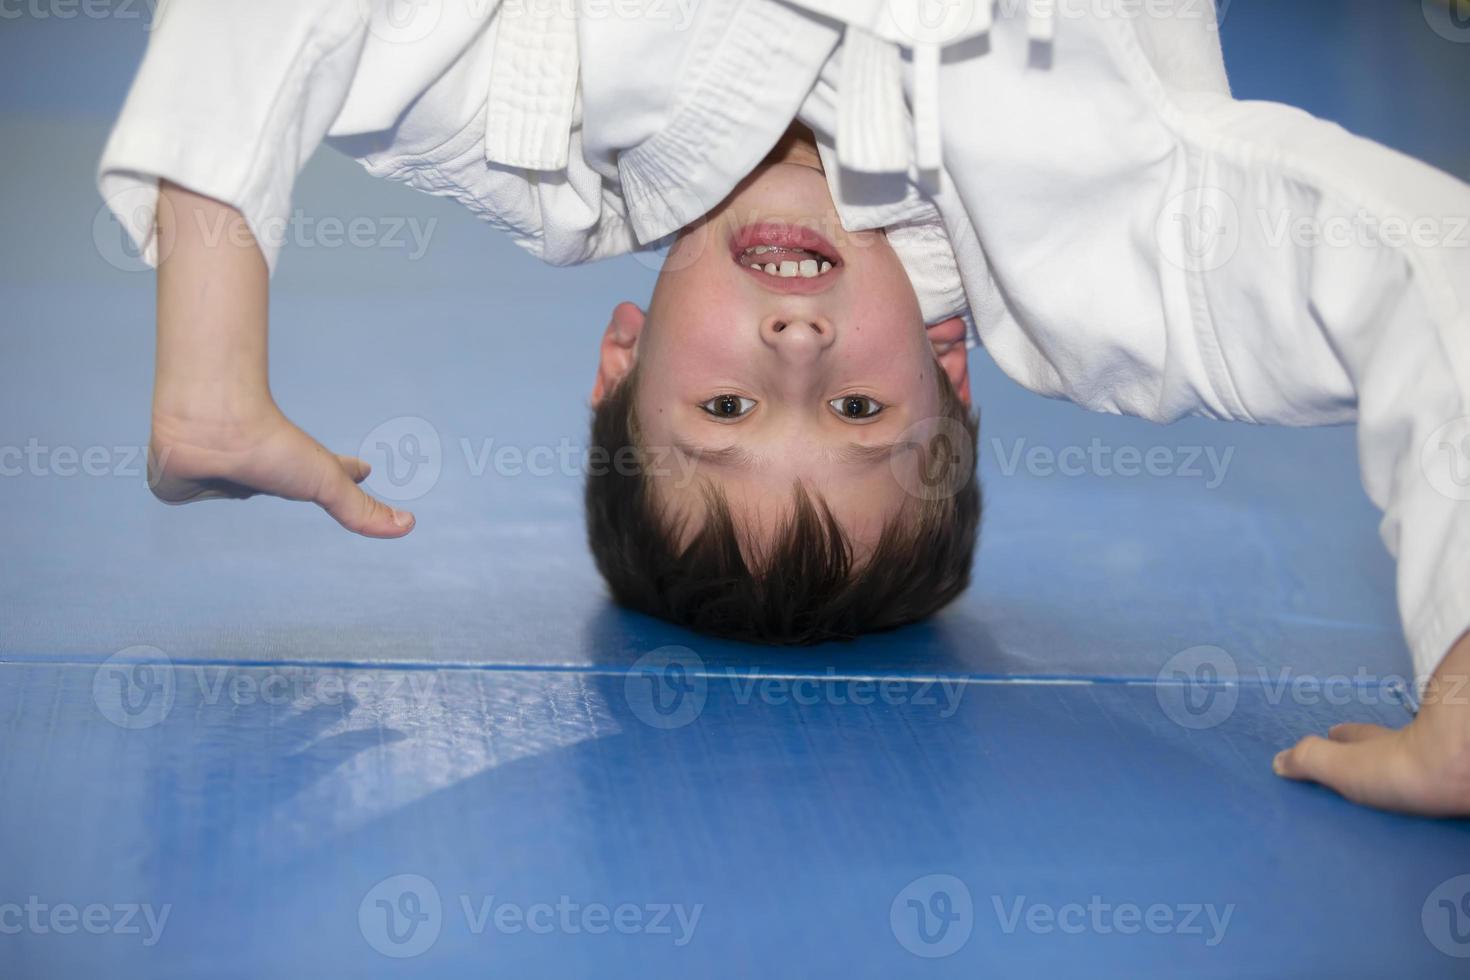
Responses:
[1071,175]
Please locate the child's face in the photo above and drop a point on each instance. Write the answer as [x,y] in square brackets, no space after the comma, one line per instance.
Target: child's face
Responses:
[759,382]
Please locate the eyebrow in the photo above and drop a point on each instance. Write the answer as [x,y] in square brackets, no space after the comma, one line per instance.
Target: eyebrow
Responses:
[856,452]
[738,456]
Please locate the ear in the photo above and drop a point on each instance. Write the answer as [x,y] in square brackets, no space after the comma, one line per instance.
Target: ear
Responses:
[948,340]
[618,351]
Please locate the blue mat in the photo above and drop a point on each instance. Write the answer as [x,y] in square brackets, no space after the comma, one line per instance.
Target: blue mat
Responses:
[270,810]
[235,741]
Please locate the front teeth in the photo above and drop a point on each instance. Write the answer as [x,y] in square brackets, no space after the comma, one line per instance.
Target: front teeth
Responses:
[788,268]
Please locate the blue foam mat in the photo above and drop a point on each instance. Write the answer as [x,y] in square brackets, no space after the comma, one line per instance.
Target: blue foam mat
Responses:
[266,807]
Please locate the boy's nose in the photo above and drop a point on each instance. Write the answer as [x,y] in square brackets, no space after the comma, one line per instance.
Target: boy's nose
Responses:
[797,337]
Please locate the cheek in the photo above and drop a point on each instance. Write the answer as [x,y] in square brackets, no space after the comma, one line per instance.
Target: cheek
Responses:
[893,347]
[697,314]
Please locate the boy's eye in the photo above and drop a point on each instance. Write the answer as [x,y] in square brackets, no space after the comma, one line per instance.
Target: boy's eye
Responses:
[728,406]
[855,407]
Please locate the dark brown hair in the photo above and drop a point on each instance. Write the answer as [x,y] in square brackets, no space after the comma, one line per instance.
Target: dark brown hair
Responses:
[806,587]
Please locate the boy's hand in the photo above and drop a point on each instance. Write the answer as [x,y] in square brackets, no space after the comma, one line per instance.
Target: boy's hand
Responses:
[264,453]
[1422,768]
[216,430]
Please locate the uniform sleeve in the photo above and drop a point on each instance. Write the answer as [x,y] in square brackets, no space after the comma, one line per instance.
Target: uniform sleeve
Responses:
[1326,272]
[1148,245]
[230,102]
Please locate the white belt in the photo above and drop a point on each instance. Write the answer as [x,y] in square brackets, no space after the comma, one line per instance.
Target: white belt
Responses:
[533,86]
[870,131]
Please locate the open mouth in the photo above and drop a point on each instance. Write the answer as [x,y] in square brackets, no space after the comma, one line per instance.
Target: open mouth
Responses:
[785,262]
[785,252]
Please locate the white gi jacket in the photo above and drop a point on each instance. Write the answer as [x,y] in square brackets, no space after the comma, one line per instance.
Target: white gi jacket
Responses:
[1071,175]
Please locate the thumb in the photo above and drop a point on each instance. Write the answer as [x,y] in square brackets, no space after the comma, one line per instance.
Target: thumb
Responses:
[1365,771]
[340,496]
